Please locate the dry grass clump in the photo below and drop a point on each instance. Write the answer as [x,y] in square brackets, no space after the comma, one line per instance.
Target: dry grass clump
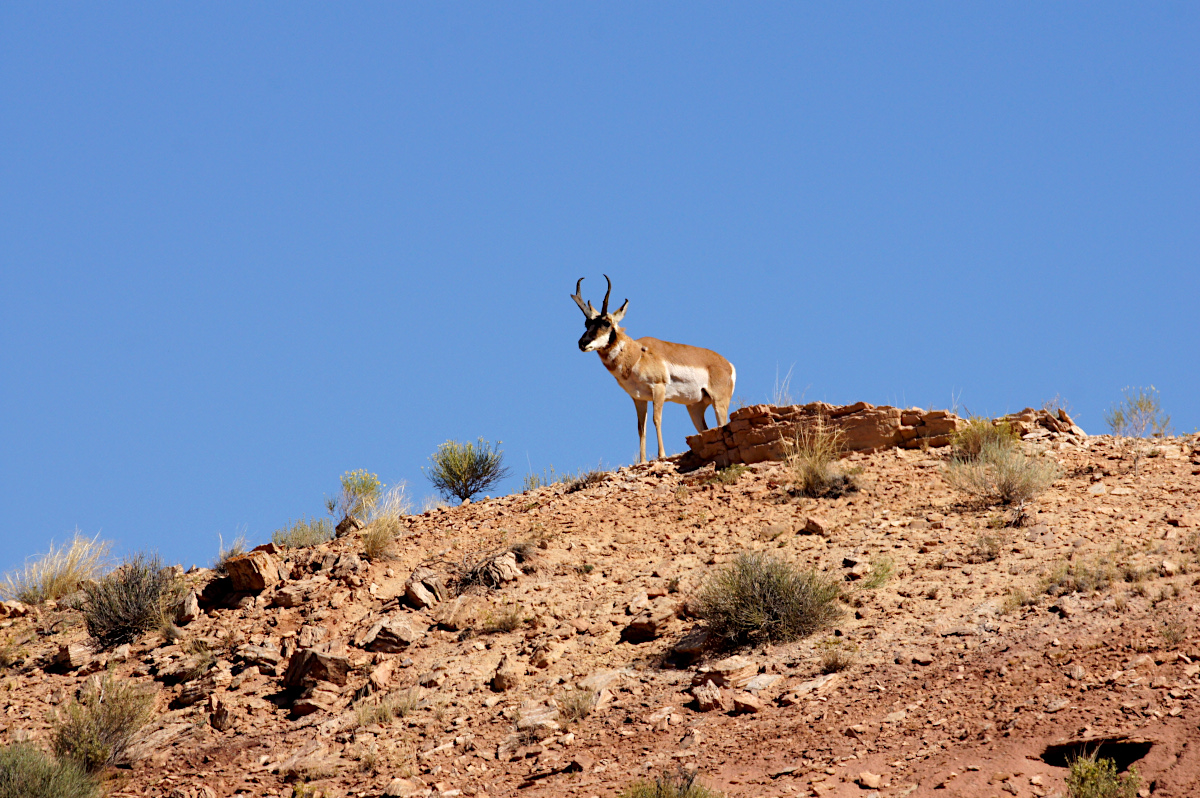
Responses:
[1139,414]
[759,598]
[726,476]
[881,571]
[575,705]
[11,652]
[464,470]
[986,548]
[1002,474]
[678,784]
[1084,576]
[585,479]
[385,709]
[977,433]
[130,600]
[236,549]
[58,572]
[304,533]
[506,619]
[94,730]
[379,538]
[837,655]
[28,772]
[812,455]
[1090,777]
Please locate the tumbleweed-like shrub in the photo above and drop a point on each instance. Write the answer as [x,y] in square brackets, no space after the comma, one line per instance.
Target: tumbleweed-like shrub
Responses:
[1002,474]
[129,601]
[95,729]
[759,598]
[29,772]
[464,470]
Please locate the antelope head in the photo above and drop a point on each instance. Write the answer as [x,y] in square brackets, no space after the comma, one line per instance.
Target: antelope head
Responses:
[601,326]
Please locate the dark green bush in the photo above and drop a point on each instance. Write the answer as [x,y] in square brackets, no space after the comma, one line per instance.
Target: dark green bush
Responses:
[28,772]
[130,600]
[679,784]
[464,470]
[759,598]
[95,729]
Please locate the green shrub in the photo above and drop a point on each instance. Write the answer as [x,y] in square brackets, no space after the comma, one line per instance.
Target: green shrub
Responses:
[759,598]
[1090,777]
[94,730]
[464,470]
[548,477]
[28,772]
[680,784]
[1082,576]
[881,571]
[386,708]
[58,572]
[303,533]
[360,493]
[1002,474]
[1138,414]
[812,455]
[130,600]
[727,476]
[969,440]
[575,705]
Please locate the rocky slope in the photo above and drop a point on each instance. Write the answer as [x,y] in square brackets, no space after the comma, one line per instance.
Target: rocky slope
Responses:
[963,665]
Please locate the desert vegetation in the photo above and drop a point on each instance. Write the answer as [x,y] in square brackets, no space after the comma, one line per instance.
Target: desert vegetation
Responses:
[1090,777]
[673,784]
[812,458]
[303,533]
[1138,415]
[59,572]
[464,470]
[1002,473]
[94,730]
[128,601]
[761,598]
[29,772]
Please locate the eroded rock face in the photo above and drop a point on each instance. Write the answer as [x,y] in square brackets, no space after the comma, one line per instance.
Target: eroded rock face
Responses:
[252,572]
[762,432]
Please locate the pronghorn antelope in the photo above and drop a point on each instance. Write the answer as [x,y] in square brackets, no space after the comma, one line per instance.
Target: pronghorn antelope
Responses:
[657,371]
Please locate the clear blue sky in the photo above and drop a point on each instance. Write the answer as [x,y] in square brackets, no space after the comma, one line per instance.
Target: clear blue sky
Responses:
[246,247]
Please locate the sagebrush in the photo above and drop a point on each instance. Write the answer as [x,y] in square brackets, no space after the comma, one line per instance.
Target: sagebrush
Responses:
[759,598]
[58,572]
[360,492]
[672,784]
[29,772]
[1090,777]
[1002,474]
[812,455]
[129,601]
[976,433]
[95,729]
[304,533]
[464,470]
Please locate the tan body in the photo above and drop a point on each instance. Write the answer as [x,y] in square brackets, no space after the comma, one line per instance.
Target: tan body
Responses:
[653,371]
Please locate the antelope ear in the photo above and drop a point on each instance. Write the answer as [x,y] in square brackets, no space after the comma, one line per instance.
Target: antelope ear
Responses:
[619,313]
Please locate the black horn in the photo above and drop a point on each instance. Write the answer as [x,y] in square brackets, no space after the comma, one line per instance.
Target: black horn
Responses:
[604,309]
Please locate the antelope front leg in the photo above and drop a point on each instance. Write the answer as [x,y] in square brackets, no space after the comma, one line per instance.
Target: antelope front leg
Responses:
[641,413]
[660,396]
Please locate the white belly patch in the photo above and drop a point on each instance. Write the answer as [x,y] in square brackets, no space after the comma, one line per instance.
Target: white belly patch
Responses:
[686,384]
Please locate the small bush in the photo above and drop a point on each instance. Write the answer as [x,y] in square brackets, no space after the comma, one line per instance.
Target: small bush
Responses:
[58,572]
[679,784]
[837,655]
[378,539]
[1002,474]
[507,619]
[464,470]
[1139,414]
[727,476]
[759,598]
[1173,632]
[387,708]
[548,477]
[360,493]
[1090,777]
[969,440]
[236,549]
[28,772]
[95,730]
[812,457]
[304,533]
[575,705]
[986,549]
[881,571]
[130,600]
[1084,576]
[584,479]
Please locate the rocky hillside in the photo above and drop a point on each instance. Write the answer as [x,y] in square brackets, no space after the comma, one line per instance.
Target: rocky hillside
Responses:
[970,657]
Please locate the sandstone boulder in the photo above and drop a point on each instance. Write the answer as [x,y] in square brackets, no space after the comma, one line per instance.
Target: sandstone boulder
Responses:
[307,667]
[252,572]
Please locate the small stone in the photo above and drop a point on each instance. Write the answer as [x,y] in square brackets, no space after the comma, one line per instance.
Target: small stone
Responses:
[815,526]
[708,697]
[869,781]
[508,675]
[747,702]
[403,788]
